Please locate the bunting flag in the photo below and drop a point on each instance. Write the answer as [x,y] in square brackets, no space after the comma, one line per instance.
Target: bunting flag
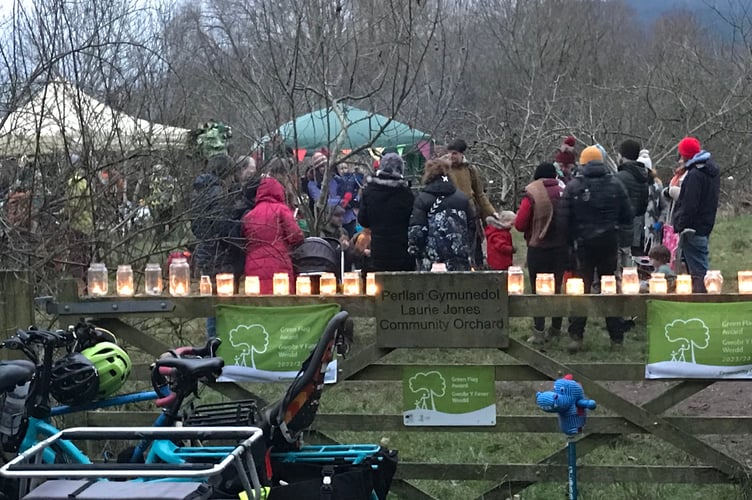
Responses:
[346,151]
[425,149]
[400,149]
[375,152]
[300,154]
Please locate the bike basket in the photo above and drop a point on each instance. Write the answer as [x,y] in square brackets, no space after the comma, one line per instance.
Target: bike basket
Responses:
[81,489]
[231,413]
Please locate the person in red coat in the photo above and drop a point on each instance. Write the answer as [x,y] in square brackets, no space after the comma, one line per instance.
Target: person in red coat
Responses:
[270,233]
[499,241]
[539,218]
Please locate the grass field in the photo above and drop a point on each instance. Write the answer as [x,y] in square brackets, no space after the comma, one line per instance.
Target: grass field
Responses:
[728,246]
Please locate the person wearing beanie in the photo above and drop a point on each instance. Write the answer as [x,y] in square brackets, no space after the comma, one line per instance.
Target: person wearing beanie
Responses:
[541,220]
[468,180]
[438,230]
[385,207]
[565,159]
[636,179]
[655,214]
[499,240]
[644,158]
[696,207]
[338,192]
[595,204]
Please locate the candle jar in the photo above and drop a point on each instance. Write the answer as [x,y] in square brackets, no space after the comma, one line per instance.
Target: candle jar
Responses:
[303,285]
[328,284]
[684,284]
[608,285]
[351,283]
[515,281]
[630,281]
[225,284]
[97,280]
[371,288]
[281,284]
[180,277]
[713,282]
[205,286]
[575,286]
[544,284]
[124,281]
[252,285]
[153,279]
[657,285]
[745,282]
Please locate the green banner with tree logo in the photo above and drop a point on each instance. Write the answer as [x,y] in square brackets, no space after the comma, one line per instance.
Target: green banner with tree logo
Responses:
[270,343]
[449,395]
[696,340]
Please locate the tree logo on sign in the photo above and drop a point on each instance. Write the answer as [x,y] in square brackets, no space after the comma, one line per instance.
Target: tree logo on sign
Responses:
[688,335]
[429,385]
[249,339]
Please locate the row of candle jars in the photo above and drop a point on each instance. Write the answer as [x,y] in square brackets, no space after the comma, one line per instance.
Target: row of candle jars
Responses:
[630,283]
[179,282]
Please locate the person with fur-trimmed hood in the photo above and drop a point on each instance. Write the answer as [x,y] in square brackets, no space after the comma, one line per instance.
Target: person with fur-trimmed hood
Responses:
[438,230]
[499,247]
[565,161]
[385,207]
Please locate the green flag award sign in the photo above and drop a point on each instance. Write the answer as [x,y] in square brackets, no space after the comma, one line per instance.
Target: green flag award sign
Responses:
[694,340]
[449,395]
[267,344]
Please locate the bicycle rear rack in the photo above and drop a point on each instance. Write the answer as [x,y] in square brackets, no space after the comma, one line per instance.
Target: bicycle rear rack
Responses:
[231,413]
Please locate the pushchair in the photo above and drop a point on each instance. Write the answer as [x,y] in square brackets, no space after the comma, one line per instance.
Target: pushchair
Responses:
[319,255]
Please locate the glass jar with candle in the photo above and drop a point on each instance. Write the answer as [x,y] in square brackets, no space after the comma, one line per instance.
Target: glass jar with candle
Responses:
[684,284]
[205,286]
[515,281]
[281,284]
[608,285]
[180,277]
[575,286]
[351,283]
[252,285]
[657,285]
[630,281]
[303,285]
[328,284]
[713,282]
[371,288]
[745,282]
[153,279]
[544,284]
[97,279]
[124,281]
[225,284]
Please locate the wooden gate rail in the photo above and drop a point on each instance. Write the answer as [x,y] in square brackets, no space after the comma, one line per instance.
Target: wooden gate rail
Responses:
[365,365]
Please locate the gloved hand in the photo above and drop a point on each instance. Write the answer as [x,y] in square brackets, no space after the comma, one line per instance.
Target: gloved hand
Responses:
[657,226]
[346,199]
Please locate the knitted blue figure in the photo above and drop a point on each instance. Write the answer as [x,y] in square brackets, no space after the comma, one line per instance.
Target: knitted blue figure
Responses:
[568,400]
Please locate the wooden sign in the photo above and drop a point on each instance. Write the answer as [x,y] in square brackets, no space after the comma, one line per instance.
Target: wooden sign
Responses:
[442,310]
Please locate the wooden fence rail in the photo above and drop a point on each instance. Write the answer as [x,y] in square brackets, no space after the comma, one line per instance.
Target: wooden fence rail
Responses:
[530,365]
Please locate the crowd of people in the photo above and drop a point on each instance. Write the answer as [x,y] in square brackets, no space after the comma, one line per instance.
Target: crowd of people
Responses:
[579,217]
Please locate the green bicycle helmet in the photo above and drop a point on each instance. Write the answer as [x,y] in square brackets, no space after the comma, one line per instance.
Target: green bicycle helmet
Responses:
[113,365]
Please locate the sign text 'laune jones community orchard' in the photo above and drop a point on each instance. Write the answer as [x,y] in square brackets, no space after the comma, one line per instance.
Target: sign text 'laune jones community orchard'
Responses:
[454,309]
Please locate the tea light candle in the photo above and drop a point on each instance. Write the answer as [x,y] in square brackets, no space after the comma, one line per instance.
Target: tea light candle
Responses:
[630,281]
[328,284]
[575,286]
[544,284]
[371,288]
[252,285]
[515,281]
[608,285]
[351,284]
[303,285]
[225,284]
[281,284]
[745,282]
[124,281]
[684,284]
[205,286]
[179,290]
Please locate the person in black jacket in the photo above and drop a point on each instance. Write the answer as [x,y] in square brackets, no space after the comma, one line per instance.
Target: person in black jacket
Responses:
[594,205]
[385,207]
[438,230]
[694,214]
[636,179]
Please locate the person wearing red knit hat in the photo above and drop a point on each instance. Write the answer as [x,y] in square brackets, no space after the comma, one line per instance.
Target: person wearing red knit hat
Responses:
[565,160]
[696,207]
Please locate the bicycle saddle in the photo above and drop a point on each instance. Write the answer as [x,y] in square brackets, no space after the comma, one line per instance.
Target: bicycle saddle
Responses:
[193,367]
[13,373]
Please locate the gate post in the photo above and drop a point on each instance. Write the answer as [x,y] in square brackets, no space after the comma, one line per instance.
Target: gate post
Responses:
[16,303]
